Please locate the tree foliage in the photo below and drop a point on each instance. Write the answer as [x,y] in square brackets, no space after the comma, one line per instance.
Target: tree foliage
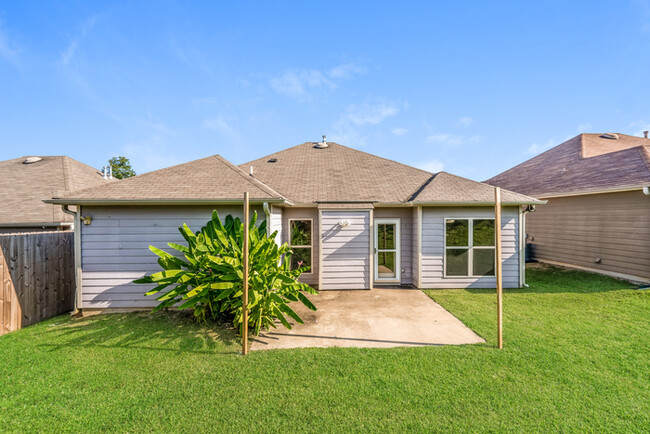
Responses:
[121,167]
[210,277]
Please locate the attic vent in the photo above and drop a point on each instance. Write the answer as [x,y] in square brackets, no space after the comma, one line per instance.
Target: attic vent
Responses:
[30,160]
[321,145]
[611,136]
[272,160]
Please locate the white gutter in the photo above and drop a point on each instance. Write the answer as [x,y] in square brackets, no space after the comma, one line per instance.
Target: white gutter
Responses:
[594,191]
[646,190]
[536,202]
[73,201]
[77,255]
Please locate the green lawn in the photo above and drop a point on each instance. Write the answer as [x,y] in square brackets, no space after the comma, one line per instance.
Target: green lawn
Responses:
[576,358]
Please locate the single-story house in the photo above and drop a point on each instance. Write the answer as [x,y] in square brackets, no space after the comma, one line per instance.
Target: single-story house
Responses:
[357,219]
[25,181]
[598,212]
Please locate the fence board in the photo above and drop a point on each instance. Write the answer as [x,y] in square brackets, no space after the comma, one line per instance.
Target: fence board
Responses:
[36,276]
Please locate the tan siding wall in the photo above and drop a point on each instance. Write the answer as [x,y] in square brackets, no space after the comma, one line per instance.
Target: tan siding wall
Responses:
[115,248]
[433,232]
[304,213]
[406,234]
[346,251]
[576,230]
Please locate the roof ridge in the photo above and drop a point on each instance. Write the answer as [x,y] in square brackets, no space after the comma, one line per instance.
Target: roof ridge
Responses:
[422,187]
[67,180]
[258,183]
[342,146]
[142,175]
[382,158]
[535,157]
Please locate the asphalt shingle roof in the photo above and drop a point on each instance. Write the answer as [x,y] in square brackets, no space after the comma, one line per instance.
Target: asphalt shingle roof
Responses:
[306,174]
[211,178]
[24,186]
[302,174]
[587,162]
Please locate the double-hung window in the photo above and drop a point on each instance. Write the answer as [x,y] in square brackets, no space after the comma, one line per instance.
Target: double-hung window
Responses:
[300,241]
[469,247]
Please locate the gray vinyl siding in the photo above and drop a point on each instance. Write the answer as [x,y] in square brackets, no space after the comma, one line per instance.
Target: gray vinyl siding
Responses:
[297,214]
[433,247]
[577,230]
[115,248]
[346,251]
[406,234]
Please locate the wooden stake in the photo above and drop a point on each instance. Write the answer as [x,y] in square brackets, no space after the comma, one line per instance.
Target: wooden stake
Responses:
[499,273]
[244,329]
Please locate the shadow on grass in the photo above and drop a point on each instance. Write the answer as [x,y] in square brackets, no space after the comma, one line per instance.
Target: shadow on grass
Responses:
[548,279]
[161,331]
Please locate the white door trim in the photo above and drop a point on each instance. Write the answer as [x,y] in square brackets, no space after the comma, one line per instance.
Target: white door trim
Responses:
[397,250]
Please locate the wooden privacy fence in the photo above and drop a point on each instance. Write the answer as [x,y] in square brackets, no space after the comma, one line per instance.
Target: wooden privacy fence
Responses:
[37,277]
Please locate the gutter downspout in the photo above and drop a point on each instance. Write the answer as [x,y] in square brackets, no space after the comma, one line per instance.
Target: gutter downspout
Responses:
[77,255]
[267,211]
[528,209]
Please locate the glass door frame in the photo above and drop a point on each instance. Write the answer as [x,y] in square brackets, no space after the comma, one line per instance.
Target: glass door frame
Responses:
[397,250]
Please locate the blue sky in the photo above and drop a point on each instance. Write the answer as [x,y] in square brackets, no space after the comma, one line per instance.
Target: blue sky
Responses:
[472,88]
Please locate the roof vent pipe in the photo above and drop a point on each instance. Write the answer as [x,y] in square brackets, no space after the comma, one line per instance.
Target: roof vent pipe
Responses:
[645,134]
[323,144]
[251,170]
[110,172]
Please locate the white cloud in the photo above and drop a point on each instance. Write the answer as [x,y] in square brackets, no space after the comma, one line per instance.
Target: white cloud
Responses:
[219,123]
[536,148]
[299,84]
[149,154]
[583,128]
[346,71]
[465,121]
[68,54]
[453,139]
[302,83]
[433,166]
[370,114]
[205,100]
[7,50]
[399,131]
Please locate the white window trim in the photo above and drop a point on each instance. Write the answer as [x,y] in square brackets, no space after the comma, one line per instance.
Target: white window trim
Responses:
[470,240]
[311,246]
[398,250]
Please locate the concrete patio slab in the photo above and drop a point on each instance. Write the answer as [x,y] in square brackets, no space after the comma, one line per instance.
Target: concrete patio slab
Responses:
[379,318]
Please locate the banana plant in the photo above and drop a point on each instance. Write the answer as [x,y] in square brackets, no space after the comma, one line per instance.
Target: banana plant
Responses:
[206,275]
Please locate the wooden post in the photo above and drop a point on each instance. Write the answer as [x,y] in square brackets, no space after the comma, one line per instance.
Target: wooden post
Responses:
[499,272]
[244,329]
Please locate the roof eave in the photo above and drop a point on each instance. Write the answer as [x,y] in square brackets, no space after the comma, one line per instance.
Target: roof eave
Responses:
[477,203]
[79,201]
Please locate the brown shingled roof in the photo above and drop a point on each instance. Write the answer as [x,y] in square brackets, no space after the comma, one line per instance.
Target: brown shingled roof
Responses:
[302,174]
[337,173]
[208,179]
[587,162]
[24,186]
[445,188]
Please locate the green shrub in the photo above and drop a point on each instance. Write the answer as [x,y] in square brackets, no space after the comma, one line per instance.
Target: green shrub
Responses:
[210,277]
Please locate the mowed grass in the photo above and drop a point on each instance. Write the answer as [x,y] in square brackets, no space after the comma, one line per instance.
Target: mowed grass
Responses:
[576,358]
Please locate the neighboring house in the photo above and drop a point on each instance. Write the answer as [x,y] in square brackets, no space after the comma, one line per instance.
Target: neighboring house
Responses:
[26,181]
[357,219]
[598,212]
